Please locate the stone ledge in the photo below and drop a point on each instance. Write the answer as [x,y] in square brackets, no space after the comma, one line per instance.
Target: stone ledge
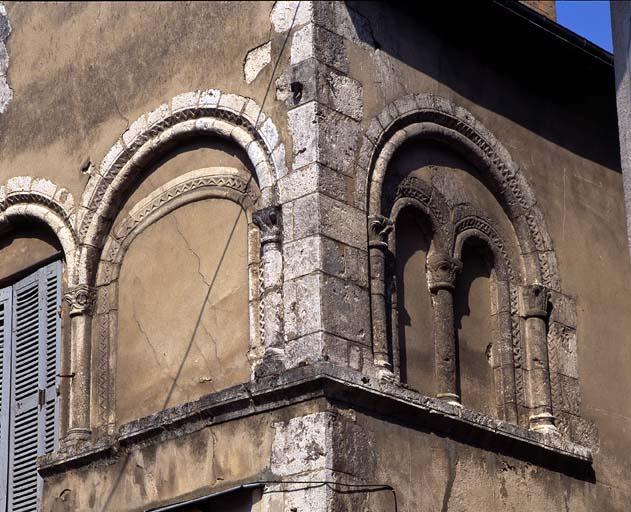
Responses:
[321,380]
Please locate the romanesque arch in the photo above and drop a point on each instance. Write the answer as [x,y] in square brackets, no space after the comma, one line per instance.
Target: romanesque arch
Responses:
[41,199]
[524,285]
[198,114]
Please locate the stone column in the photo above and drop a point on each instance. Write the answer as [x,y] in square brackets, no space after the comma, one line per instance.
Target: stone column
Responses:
[81,300]
[441,273]
[378,229]
[534,306]
[268,220]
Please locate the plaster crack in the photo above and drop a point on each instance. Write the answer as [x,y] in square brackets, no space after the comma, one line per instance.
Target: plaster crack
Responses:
[190,248]
[156,355]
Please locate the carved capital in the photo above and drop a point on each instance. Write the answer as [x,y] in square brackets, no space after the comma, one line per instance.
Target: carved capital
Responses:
[81,299]
[268,220]
[534,301]
[378,229]
[442,271]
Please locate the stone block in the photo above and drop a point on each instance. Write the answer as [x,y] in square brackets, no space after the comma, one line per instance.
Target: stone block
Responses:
[310,80]
[306,216]
[209,98]
[345,309]
[313,41]
[314,253]
[562,339]
[312,178]
[570,394]
[301,444]
[158,115]
[256,60]
[563,309]
[302,123]
[303,311]
[323,135]
[338,139]
[302,257]
[342,222]
[232,102]
[184,101]
[270,133]
[284,16]
[304,350]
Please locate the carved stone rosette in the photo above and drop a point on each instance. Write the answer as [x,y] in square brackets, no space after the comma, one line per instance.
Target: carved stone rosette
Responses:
[81,300]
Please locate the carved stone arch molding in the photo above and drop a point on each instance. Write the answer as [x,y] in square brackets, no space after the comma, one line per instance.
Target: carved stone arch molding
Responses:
[438,119]
[209,113]
[429,117]
[214,182]
[24,197]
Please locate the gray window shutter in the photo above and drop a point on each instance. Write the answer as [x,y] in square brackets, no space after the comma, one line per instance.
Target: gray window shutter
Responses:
[5,388]
[50,288]
[35,363]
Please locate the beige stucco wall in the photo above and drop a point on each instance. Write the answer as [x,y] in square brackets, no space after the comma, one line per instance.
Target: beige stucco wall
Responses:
[81,73]
[183,312]
[435,473]
[567,149]
[206,461]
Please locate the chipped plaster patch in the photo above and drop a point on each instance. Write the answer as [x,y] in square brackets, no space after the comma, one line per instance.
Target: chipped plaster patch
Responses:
[5,91]
[256,60]
[283,13]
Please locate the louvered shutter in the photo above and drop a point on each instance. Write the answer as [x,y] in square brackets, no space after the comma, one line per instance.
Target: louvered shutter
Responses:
[50,288]
[5,388]
[35,361]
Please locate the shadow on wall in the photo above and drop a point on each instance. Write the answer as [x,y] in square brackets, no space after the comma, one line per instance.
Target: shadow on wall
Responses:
[476,54]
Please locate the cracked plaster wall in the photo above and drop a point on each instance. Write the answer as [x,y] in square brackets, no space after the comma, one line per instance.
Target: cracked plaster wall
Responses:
[123,68]
[116,67]
[579,190]
[183,312]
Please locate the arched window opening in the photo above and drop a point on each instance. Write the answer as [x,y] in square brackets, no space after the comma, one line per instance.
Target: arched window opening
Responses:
[413,307]
[475,331]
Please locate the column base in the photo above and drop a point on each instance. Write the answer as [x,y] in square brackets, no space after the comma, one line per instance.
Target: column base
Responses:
[450,398]
[77,435]
[543,423]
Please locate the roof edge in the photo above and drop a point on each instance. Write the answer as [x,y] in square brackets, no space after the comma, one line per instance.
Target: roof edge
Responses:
[559,31]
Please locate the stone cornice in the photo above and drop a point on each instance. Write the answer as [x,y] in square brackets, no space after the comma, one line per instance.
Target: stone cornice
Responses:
[324,380]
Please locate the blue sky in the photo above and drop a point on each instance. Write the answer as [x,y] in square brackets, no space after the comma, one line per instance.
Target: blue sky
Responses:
[590,19]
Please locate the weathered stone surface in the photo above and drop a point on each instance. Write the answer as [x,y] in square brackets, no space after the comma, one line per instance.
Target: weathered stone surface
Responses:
[256,60]
[6,93]
[509,162]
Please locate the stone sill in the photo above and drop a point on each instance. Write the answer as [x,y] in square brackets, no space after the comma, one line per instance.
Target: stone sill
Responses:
[321,380]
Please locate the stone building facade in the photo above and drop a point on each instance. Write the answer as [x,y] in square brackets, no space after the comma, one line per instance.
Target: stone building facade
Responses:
[314,256]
